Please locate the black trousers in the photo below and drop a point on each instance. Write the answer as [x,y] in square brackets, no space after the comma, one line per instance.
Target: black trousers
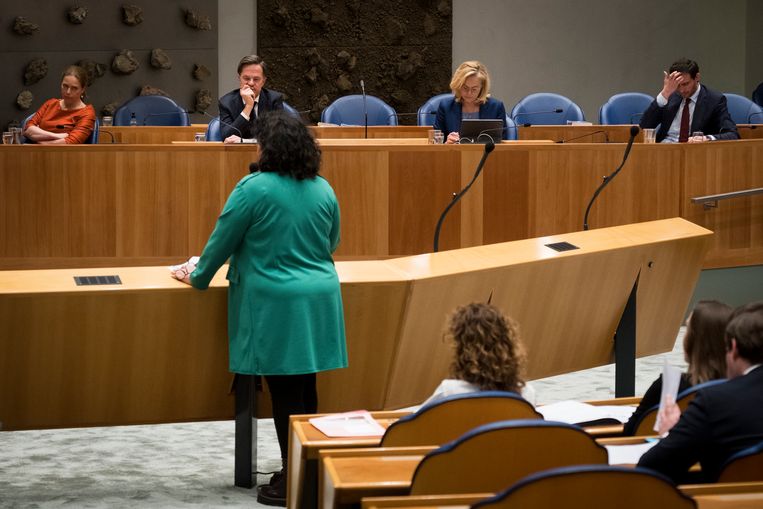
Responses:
[290,394]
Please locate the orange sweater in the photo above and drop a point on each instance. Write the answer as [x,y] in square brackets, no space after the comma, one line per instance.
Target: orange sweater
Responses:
[78,123]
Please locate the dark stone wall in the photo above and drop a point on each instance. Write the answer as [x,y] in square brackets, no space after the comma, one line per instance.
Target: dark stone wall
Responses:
[319,51]
[100,38]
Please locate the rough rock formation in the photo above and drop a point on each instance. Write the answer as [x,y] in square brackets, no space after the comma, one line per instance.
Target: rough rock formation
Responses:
[110,108]
[197,20]
[77,14]
[149,90]
[93,69]
[204,100]
[124,63]
[25,99]
[35,70]
[23,26]
[132,15]
[201,72]
[160,59]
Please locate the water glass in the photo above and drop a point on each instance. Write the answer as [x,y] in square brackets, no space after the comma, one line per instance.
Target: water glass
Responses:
[16,135]
[107,121]
[649,135]
[7,138]
[200,137]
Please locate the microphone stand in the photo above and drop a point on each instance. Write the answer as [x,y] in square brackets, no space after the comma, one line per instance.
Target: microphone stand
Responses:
[607,180]
[365,108]
[525,113]
[489,146]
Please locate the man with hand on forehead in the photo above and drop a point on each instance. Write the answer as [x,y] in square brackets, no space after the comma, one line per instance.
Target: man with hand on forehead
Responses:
[687,111]
[240,108]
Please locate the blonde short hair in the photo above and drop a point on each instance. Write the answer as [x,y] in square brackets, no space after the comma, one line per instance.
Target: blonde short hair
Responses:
[467,70]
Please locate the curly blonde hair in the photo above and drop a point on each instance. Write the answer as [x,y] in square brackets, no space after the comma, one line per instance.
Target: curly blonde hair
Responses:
[489,352]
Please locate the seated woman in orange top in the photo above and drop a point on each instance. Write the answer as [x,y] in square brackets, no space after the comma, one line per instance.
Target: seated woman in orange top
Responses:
[65,120]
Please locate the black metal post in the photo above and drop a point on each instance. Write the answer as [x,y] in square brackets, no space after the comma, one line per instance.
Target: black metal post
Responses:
[245,468]
[625,348]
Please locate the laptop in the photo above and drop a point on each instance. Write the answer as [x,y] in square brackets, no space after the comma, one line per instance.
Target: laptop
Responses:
[481,130]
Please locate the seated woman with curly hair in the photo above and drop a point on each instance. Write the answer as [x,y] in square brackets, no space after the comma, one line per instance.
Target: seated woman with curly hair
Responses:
[489,355]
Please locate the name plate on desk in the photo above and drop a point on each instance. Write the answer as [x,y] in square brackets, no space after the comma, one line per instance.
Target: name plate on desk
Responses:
[97,280]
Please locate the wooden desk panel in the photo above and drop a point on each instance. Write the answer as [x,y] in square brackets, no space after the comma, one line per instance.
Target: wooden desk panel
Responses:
[112,205]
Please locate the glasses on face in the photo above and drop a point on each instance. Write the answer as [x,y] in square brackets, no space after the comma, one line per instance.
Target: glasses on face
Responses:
[470,90]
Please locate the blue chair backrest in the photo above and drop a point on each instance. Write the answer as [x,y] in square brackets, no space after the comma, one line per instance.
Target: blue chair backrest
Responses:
[151,110]
[527,111]
[591,486]
[348,110]
[625,108]
[427,112]
[213,130]
[511,126]
[92,139]
[743,110]
[290,110]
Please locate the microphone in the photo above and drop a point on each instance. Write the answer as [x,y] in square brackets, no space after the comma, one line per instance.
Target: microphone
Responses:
[241,136]
[104,131]
[365,108]
[752,115]
[489,146]
[525,113]
[164,114]
[600,131]
[634,131]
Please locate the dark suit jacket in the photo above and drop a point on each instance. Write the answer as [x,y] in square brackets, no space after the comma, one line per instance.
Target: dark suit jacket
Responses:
[721,421]
[449,115]
[231,105]
[711,115]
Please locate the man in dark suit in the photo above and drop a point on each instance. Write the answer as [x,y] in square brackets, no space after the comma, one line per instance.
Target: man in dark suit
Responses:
[723,419]
[684,107]
[239,108]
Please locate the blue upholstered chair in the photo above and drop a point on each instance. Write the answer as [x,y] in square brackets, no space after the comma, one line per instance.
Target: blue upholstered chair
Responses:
[427,113]
[290,110]
[585,486]
[348,110]
[213,130]
[491,457]
[529,110]
[91,140]
[151,110]
[743,110]
[447,419]
[744,466]
[645,425]
[625,108]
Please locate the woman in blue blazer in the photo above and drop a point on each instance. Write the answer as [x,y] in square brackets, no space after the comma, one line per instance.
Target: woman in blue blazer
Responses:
[471,99]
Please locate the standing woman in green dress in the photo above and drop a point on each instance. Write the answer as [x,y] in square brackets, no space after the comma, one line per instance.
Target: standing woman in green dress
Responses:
[279,228]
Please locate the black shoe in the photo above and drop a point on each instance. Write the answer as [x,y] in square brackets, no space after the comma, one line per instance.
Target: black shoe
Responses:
[275,478]
[273,494]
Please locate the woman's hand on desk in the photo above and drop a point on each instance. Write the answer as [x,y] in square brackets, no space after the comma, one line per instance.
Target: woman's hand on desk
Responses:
[183,271]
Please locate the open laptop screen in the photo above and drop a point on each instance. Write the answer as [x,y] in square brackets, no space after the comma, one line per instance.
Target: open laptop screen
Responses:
[481,130]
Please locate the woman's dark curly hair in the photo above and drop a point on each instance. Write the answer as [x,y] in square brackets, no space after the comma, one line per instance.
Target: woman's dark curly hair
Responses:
[286,146]
[489,352]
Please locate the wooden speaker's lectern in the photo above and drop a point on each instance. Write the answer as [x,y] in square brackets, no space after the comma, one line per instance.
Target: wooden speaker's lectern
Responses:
[154,350]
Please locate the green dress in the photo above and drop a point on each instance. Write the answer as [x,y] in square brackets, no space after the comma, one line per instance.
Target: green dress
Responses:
[285,313]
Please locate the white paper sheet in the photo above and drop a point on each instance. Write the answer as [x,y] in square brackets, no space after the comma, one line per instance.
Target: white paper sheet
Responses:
[627,454]
[359,423]
[574,411]
[671,380]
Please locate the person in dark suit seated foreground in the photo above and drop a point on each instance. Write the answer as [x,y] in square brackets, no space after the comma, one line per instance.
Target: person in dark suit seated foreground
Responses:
[240,108]
[723,419]
[489,355]
[704,351]
[707,112]
[471,99]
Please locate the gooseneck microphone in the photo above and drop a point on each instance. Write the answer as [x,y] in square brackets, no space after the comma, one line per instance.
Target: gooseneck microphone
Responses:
[600,131]
[525,113]
[607,180]
[489,146]
[365,108]
[240,136]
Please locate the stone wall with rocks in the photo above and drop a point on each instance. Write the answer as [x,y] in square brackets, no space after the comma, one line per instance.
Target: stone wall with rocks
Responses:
[165,47]
[319,51]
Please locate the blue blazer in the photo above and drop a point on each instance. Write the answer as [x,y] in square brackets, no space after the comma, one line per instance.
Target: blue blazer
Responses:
[449,115]
[711,115]
[231,105]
